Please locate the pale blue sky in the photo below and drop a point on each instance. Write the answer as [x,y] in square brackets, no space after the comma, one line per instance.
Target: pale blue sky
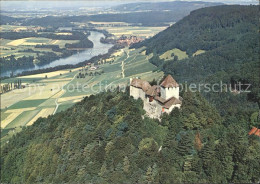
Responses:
[36,4]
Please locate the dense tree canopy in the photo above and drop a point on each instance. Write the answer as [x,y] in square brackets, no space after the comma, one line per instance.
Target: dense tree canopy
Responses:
[107,139]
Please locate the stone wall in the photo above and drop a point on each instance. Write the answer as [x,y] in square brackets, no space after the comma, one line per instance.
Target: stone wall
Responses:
[153,109]
[137,93]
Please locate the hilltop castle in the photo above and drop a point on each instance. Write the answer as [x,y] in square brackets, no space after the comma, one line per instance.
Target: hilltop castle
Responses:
[158,99]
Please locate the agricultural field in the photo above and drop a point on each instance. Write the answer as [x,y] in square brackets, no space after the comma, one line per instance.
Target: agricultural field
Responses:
[21,107]
[144,32]
[17,47]
[136,64]
[61,89]
[6,28]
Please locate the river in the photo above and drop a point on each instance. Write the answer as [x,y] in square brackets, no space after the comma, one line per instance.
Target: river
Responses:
[98,48]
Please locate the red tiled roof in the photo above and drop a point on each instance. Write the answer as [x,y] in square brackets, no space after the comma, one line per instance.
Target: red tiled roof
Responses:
[160,99]
[168,103]
[169,82]
[138,83]
[153,91]
[254,131]
[172,101]
[257,133]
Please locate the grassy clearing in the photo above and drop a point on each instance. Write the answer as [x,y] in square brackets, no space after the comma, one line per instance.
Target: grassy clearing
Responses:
[168,55]
[198,52]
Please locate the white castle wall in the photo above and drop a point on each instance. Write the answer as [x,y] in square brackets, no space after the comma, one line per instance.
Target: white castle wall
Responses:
[137,93]
[167,93]
[154,109]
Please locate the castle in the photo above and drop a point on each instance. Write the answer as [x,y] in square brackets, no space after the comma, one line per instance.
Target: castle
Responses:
[158,99]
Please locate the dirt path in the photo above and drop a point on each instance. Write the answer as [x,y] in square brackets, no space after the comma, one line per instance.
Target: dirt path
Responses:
[56,101]
[123,64]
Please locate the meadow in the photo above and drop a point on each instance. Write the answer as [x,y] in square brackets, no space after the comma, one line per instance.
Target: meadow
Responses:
[168,55]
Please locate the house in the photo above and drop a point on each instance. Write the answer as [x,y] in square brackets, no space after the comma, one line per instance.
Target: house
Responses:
[254,131]
[158,99]
[93,68]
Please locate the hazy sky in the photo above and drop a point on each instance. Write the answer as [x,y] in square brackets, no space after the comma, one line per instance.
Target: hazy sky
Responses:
[38,4]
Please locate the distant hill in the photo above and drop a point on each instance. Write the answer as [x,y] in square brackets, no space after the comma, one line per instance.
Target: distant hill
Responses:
[206,29]
[229,38]
[159,14]
[178,6]
[8,20]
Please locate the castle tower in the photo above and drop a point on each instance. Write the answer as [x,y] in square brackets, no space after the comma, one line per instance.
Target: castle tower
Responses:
[169,88]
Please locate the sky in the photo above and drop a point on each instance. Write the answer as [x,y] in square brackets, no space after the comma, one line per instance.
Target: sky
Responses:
[36,4]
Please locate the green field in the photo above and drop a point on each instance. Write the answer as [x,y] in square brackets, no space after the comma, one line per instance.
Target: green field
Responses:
[26,104]
[168,55]
[22,119]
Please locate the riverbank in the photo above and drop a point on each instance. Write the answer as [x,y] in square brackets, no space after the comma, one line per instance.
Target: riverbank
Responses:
[98,49]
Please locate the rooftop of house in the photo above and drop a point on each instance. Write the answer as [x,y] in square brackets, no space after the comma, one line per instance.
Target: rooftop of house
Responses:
[152,90]
[169,82]
[254,131]
[138,83]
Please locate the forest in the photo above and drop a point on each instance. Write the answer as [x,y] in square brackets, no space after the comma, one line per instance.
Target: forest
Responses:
[107,139]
